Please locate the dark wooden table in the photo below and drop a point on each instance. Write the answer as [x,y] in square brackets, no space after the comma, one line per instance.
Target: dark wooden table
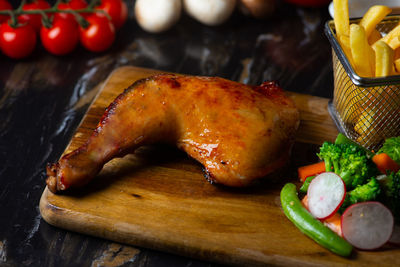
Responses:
[43,99]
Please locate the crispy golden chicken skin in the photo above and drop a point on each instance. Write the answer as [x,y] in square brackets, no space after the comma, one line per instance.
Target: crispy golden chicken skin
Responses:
[238,132]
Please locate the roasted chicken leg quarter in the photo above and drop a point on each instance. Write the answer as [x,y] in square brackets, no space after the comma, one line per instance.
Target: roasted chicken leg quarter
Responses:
[238,132]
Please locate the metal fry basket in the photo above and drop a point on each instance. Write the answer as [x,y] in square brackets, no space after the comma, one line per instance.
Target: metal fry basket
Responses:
[367,110]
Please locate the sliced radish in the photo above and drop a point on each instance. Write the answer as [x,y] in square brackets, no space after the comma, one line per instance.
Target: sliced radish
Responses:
[325,194]
[367,225]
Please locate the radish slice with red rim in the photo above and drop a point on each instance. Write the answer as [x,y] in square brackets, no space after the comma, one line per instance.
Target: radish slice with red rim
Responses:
[367,225]
[325,194]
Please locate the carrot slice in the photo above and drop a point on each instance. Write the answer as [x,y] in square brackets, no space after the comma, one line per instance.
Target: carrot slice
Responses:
[334,223]
[385,163]
[310,170]
[304,201]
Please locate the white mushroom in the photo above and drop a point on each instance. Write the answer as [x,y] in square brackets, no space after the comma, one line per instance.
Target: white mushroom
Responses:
[210,12]
[157,15]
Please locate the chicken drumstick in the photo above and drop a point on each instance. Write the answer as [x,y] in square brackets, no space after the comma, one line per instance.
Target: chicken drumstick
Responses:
[238,132]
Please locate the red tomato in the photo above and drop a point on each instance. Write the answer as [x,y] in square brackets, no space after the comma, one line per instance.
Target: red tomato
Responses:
[34,19]
[4,5]
[100,34]
[61,38]
[309,3]
[17,42]
[74,5]
[117,10]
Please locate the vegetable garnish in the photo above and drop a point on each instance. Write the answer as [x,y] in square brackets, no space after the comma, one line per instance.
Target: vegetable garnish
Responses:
[388,157]
[391,146]
[390,185]
[310,226]
[306,184]
[385,163]
[366,192]
[344,197]
[350,162]
[334,223]
[367,225]
[342,139]
[310,170]
[325,195]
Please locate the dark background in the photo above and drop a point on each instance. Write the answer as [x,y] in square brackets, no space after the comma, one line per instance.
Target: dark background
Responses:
[44,97]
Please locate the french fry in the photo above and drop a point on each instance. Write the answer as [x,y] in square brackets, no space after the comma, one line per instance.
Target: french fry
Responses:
[374,36]
[341,17]
[395,42]
[397,53]
[344,42]
[362,53]
[374,111]
[397,60]
[373,16]
[397,66]
[384,55]
[392,38]
[367,127]
[380,117]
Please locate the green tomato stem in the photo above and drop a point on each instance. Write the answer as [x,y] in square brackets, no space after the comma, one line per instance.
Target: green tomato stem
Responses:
[14,21]
[54,9]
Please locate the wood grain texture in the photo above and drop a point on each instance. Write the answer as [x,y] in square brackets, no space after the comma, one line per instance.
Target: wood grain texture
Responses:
[158,198]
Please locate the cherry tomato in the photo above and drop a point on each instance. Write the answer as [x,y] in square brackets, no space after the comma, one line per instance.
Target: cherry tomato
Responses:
[4,5]
[74,5]
[17,42]
[34,19]
[100,34]
[61,38]
[309,3]
[117,10]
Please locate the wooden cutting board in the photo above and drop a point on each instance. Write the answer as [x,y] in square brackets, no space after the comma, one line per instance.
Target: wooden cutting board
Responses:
[158,198]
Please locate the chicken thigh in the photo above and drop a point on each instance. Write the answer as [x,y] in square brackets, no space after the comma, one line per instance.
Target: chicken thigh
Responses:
[238,132]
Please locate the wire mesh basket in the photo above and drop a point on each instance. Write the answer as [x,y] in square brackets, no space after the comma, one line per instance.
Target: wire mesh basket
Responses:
[367,110]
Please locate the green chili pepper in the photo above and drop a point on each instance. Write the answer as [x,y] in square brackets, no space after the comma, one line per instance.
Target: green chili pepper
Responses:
[310,226]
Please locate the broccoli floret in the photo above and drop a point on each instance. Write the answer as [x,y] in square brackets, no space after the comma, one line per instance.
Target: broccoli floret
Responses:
[331,155]
[342,139]
[366,192]
[391,146]
[390,184]
[350,162]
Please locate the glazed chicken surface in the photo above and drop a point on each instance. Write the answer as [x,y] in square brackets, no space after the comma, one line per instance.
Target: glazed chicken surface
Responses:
[237,132]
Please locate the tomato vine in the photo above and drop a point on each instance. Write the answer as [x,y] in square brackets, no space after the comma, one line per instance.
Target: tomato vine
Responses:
[60,27]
